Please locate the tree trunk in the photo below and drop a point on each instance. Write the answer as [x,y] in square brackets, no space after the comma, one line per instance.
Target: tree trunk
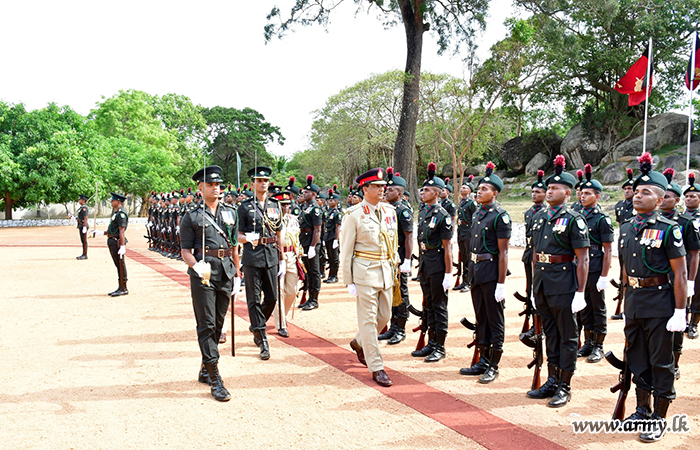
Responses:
[405,146]
[8,206]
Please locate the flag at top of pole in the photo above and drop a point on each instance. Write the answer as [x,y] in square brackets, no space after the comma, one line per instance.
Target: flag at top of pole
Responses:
[634,82]
[693,65]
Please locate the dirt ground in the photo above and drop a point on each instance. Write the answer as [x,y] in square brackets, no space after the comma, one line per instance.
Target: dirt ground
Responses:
[83,370]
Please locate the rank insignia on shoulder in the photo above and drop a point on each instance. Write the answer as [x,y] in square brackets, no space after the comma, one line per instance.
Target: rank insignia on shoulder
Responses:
[677,233]
[406,214]
[581,224]
[448,220]
[607,219]
[506,219]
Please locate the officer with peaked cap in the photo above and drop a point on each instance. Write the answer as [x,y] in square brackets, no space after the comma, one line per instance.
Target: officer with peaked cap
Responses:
[560,246]
[369,245]
[82,218]
[116,241]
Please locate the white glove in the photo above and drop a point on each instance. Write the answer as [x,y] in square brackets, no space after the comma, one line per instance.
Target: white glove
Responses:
[447,281]
[84,230]
[121,251]
[677,321]
[250,237]
[170,230]
[177,229]
[335,243]
[149,224]
[201,267]
[406,266]
[500,292]
[97,233]
[534,303]
[602,283]
[352,289]
[312,252]
[283,268]
[236,287]
[579,302]
[691,288]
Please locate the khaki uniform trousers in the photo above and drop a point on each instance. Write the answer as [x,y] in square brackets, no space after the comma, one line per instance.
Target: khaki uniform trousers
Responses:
[373,313]
[288,283]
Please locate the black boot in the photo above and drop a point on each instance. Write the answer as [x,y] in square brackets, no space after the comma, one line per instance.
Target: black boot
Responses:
[429,347]
[218,391]
[597,352]
[119,288]
[399,333]
[311,302]
[549,388]
[264,347]
[203,375]
[439,351]
[256,336]
[587,346]
[658,416]
[492,372]
[480,367]
[643,411]
[390,332]
[563,394]
[693,326]
[676,357]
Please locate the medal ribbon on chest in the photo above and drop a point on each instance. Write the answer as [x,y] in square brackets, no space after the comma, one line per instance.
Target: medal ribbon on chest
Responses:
[560,224]
[652,238]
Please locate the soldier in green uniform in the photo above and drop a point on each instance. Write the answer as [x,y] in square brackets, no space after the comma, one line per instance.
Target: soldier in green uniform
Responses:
[488,268]
[334,218]
[395,186]
[310,223]
[259,224]
[560,247]
[435,265]
[692,208]
[651,246]
[465,210]
[208,237]
[82,218]
[539,190]
[116,241]
[691,240]
[601,234]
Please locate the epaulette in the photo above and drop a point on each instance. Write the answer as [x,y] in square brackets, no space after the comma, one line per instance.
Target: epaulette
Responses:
[353,208]
[662,219]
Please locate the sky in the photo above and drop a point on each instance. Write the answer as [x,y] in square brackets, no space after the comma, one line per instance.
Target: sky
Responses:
[213,51]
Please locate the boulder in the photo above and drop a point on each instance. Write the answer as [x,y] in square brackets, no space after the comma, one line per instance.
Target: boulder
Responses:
[615,173]
[521,149]
[581,147]
[676,162]
[540,161]
[662,129]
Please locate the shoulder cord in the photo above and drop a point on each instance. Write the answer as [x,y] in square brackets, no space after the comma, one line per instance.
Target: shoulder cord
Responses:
[568,247]
[590,235]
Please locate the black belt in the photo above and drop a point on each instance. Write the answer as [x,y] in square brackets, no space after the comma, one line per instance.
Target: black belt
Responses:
[268,240]
[424,248]
[306,230]
[637,282]
[220,253]
[595,247]
[481,257]
[110,235]
[553,259]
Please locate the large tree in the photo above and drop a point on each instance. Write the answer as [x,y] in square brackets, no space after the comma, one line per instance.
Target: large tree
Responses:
[452,21]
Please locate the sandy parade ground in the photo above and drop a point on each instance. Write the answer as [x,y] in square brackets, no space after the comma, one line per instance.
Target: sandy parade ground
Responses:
[82,370]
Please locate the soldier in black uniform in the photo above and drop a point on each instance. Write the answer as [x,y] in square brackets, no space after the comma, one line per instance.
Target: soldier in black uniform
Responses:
[691,240]
[310,223]
[321,201]
[576,206]
[539,190]
[435,265]
[488,267]
[446,202]
[465,210]
[395,186]
[624,211]
[651,246]
[175,225]
[82,219]
[116,241]
[334,218]
[209,248]
[259,225]
[692,205]
[601,235]
[559,236]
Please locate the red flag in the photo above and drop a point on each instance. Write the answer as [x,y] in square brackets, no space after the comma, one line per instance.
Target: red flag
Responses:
[696,80]
[634,83]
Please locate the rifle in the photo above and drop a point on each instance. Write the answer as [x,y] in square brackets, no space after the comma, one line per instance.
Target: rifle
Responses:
[458,266]
[620,297]
[623,386]
[422,326]
[527,311]
[537,353]
[474,343]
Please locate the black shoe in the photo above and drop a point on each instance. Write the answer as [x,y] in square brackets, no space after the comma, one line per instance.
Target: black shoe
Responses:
[643,410]
[332,280]
[81,257]
[425,351]
[264,347]
[587,346]
[282,332]
[309,305]
[203,375]
[459,287]
[119,293]
[492,372]
[389,333]
[439,351]
[549,388]
[256,336]
[480,367]
[111,294]
[563,394]
[616,316]
[218,391]
[398,336]
[659,418]
[465,289]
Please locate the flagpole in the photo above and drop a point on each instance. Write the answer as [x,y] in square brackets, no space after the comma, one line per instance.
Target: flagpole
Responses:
[646,104]
[691,80]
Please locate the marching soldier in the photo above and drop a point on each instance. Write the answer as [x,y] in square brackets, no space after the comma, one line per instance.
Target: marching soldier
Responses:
[651,246]
[395,186]
[435,265]
[208,237]
[601,235]
[691,240]
[82,219]
[334,218]
[539,190]
[369,251]
[310,223]
[488,268]
[259,223]
[692,203]
[465,211]
[116,241]
[559,236]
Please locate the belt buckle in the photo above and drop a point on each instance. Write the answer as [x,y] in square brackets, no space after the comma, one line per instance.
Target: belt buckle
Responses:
[422,246]
[474,258]
[544,258]
[633,281]
[220,253]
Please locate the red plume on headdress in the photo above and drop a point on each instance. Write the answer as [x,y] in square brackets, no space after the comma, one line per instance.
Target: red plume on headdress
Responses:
[309,179]
[645,163]
[189,189]
[397,174]
[471,177]
[432,168]
[335,187]
[245,187]
[559,164]
[629,174]
[229,187]
[589,171]
[669,173]
[182,191]
[540,175]
[489,168]
[389,174]
[579,174]
[330,193]
[691,178]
